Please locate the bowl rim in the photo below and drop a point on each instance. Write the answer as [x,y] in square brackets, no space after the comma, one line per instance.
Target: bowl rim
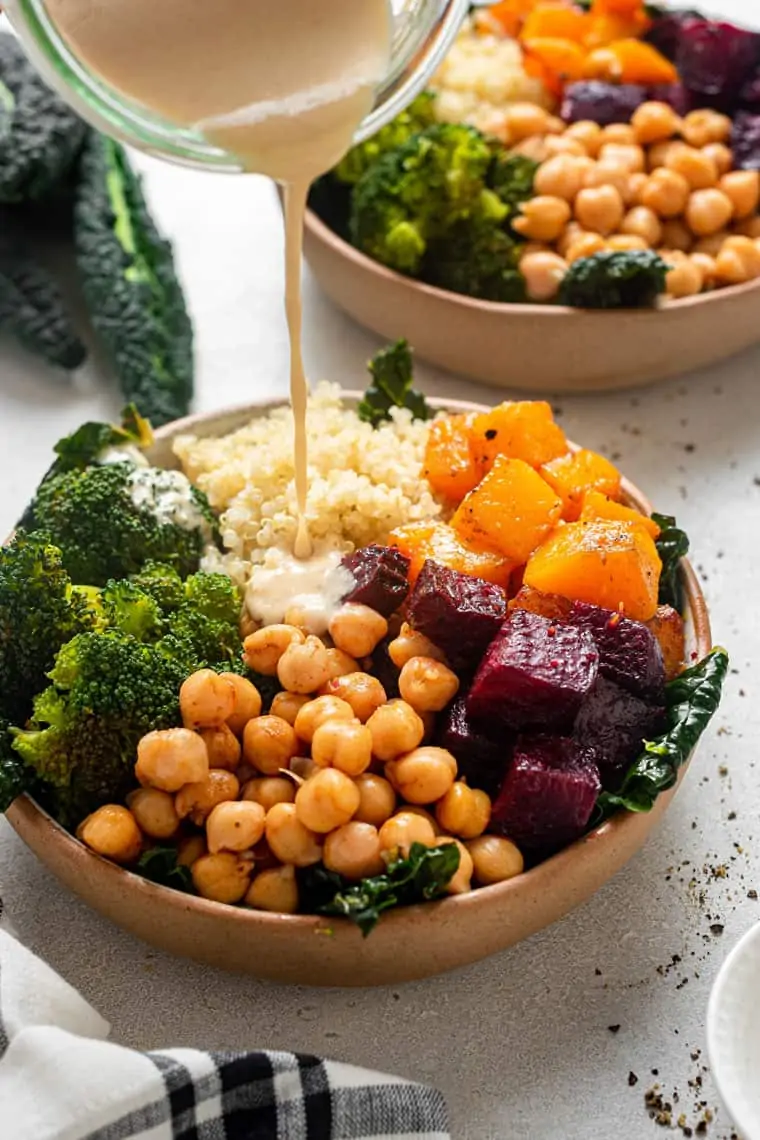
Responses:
[30,815]
[317,229]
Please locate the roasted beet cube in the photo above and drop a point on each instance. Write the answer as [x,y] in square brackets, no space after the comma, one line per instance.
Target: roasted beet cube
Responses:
[381,574]
[383,668]
[535,674]
[548,795]
[483,759]
[629,653]
[614,724]
[460,614]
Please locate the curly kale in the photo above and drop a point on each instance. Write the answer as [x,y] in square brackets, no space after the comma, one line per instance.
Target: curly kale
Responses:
[419,115]
[130,285]
[631,279]
[392,372]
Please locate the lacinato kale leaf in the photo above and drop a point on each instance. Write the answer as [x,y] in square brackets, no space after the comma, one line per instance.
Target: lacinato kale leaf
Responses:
[159,864]
[691,702]
[621,279]
[392,373]
[672,546]
[423,875]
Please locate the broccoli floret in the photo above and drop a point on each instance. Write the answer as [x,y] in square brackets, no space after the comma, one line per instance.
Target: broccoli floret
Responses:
[478,259]
[128,608]
[417,116]
[512,177]
[109,520]
[619,280]
[215,596]
[39,612]
[130,285]
[15,777]
[162,583]
[40,136]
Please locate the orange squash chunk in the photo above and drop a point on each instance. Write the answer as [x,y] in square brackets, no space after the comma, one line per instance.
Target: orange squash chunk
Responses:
[521,429]
[562,58]
[607,563]
[550,606]
[556,20]
[512,511]
[668,628]
[595,505]
[450,466]
[571,476]
[630,61]
[440,542]
[510,14]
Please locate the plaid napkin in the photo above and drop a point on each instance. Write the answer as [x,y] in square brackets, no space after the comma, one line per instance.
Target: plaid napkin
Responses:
[60,1079]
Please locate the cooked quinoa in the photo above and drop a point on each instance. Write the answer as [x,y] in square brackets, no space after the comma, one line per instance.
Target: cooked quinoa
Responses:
[363,481]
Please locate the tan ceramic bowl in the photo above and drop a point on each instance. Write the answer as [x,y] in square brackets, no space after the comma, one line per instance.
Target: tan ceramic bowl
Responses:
[534,348]
[407,944]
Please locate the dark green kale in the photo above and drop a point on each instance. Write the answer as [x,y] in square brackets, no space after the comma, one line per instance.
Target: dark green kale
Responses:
[672,546]
[691,702]
[130,285]
[15,777]
[423,875]
[159,865]
[630,279]
[392,372]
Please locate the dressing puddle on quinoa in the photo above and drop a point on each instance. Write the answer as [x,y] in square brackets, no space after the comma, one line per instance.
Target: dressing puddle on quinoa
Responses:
[284,87]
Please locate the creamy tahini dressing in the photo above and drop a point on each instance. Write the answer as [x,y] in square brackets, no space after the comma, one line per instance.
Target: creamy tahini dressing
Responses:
[169,496]
[312,587]
[283,84]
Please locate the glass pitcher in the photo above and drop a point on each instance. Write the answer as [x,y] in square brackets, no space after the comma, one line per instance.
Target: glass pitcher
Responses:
[423,31]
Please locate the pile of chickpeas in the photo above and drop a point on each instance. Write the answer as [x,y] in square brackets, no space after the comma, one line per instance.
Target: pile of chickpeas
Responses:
[660,182]
[334,773]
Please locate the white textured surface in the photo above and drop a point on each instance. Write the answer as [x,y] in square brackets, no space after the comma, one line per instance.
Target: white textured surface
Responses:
[733,1032]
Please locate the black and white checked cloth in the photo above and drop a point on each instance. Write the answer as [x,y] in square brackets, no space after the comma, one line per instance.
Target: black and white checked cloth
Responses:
[60,1079]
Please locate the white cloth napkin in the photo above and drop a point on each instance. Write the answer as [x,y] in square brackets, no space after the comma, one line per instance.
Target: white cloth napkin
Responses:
[61,1079]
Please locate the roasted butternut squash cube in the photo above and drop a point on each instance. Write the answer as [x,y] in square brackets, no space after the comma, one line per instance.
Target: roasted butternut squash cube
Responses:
[607,563]
[512,510]
[450,466]
[595,505]
[667,626]
[519,429]
[571,476]
[441,543]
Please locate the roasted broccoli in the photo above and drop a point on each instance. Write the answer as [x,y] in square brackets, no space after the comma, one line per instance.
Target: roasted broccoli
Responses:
[620,280]
[512,177]
[478,259]
[40,136]
[133,295]
[417,116]
[15,777]
[39,612]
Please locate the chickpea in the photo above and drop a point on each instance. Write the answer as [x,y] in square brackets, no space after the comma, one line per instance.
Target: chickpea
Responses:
[608,174]
[326,801]
[675,235]
[154,812]
[235,826]
[341,664]
[303,767]
[494,859]
[427,685]
[657,155]
[461,881]
[588,134]
[401,831]
[247,703]
[713,244]
[263,857]
[555,125]
[708,212]
[529,247]
[317,712]
[559,144]
[354,851]
[191,848]
[112,832]
[738,261]
[569,236]
[619,243]
[223,877]
[585,246]
[262,650]
[695,166]
[600,209]
[619,134]
[410,643]
[543,218]
[396,728]
[631,158]
[707,268]
[665,193]
[222,746]
[170,758]
[269,790]
[750,227]
[535,147]
[304,668]
[632,193]
[206,700]
[684,279]
[699,128]
[742,188]
[424,775]
[274,890]
[464,811]
[361,691]
[198,800]
[288,705]
[357,629]
[643,223]
[247,625]
[377,799]
[522,120]
[543,273]
[654,122]
[721,155]
[345,745]
[288,839]
[423,813]
[269,744]
[559,177]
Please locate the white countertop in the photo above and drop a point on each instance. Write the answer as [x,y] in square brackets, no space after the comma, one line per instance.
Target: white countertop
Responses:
[520,1044]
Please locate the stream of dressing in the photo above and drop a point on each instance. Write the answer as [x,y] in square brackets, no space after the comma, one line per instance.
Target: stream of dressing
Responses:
[283,85]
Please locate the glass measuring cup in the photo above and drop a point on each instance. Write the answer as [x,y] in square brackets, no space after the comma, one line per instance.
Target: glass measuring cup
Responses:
[423,31]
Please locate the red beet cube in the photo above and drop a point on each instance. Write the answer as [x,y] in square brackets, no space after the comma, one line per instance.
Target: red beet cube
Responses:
[614,724]
[535,674]
[548,795]
[482,759]
[460,614]
[629,653]
[381,574]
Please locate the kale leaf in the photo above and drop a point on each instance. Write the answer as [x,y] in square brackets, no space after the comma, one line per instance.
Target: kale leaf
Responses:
[672,546]
[159,865]
[392,375]
[621,279]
